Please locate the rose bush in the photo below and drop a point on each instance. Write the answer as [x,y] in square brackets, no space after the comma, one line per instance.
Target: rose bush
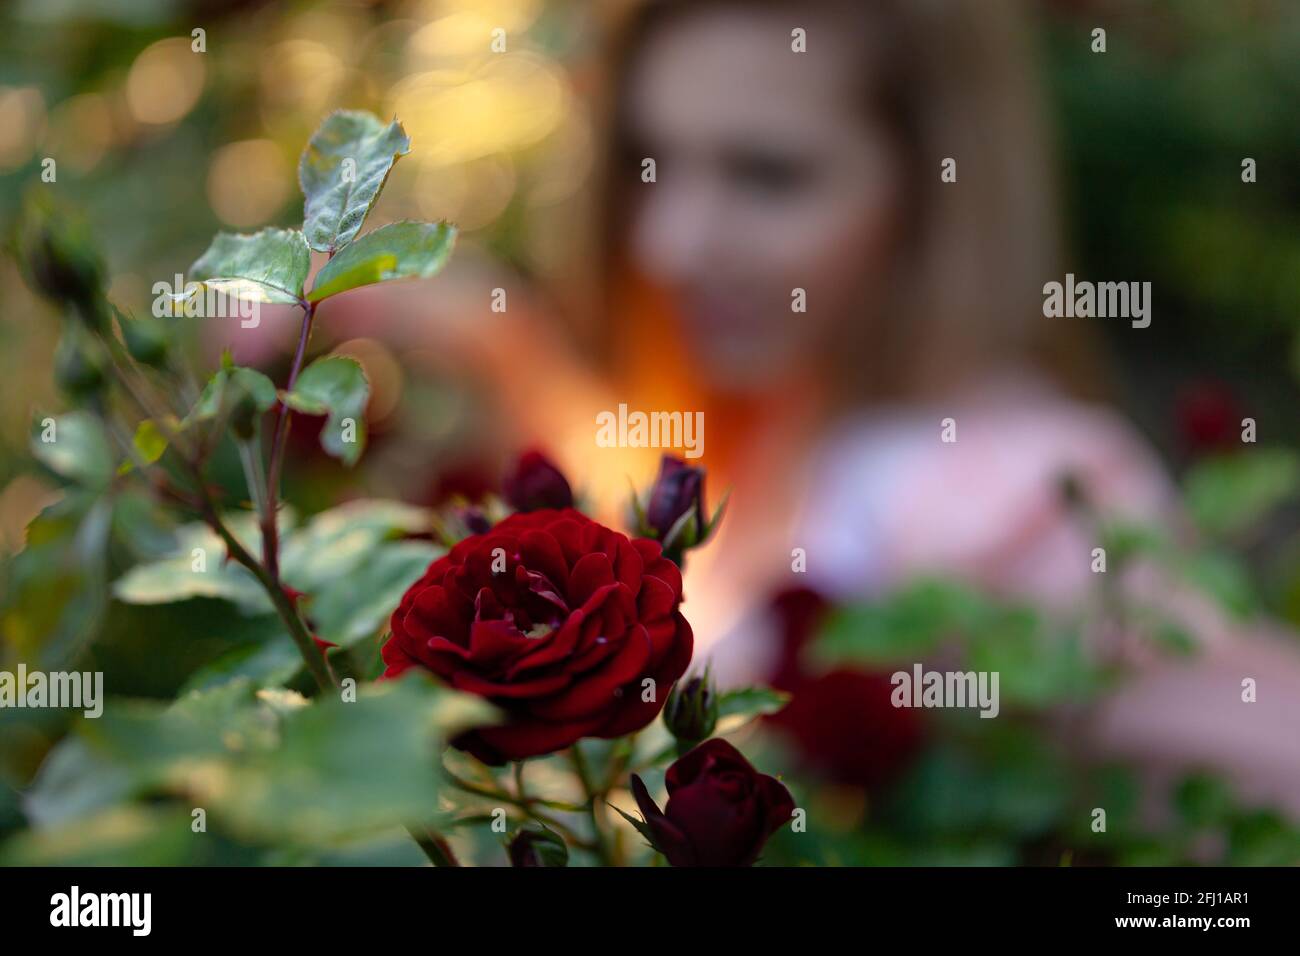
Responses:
[554,618]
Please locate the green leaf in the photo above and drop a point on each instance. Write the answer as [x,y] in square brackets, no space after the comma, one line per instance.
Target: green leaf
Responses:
[267,266]
[739,706]
[1037,666]
[165,582]
[149,443]
[225,386]
[337,386]
[336,541]
[1262,838]
[198,568]
[56,588]
[637,823]
[225,389]
[1229,495]
[904,626]
[73,782]
[1203,800]
[141,529]
[271,766]
[401,250]
[1012,786]
[718,514]
[75,447]
[124,836]
[358,603]
[342,172]
[270,664]
[684,533]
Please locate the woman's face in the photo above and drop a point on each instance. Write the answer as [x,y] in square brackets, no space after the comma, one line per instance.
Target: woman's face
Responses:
[769,179]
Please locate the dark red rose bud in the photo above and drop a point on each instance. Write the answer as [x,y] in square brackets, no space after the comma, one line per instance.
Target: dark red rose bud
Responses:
[537,845]
[691,712]
[569,628]
[535,483]
[720,810]
[677,495]
[475,520]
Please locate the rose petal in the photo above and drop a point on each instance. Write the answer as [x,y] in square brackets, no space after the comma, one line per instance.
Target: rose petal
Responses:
[591,573]
[510,690]
[656,599]
[593,693]
[516,741]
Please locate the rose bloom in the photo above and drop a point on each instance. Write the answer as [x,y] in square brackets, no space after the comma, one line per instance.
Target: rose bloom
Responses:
[720,810]
[561,640]
[843,721]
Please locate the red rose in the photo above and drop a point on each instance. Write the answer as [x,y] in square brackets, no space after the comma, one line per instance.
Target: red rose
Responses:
[843,722]
[560,636]
[720,810]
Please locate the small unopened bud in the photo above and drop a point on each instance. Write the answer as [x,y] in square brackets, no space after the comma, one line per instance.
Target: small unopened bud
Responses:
[537,845]
[674,511]
[475,520]
[58,259]
[677,492]
[691,711]
[535,483]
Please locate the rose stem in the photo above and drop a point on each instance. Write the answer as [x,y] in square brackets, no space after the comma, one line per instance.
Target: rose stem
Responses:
[519,783]
[435,847]
[584,775]
[311,656]
[270,532]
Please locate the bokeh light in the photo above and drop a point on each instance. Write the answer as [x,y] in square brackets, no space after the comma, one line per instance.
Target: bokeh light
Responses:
[248,182]
[165,81]
[81,131]
[22,118]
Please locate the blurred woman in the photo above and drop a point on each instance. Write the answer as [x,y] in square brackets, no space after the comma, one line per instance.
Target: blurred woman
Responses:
[840,260]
